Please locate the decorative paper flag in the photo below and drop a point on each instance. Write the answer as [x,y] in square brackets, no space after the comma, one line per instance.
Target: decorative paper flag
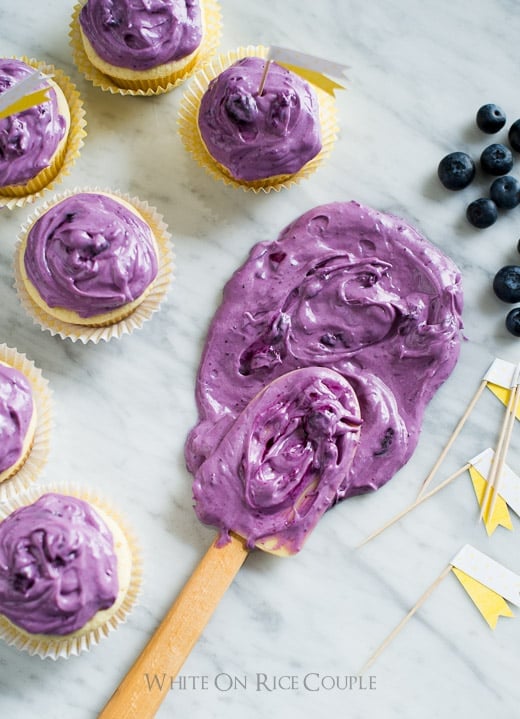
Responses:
[487,582]
[500,380]
[23,95]
[311,68]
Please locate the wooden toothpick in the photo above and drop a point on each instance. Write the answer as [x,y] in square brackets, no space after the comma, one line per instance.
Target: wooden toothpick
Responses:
[453,437]
[403,621]
[264,76]
[416,503]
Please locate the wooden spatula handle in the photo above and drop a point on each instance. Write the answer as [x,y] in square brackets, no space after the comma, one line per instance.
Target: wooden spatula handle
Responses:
[139,696]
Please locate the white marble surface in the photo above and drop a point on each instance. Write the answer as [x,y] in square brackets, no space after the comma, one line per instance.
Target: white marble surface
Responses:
[419,71]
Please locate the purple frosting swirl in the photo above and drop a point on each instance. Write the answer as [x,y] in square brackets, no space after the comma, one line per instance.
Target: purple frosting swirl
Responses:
[257,136]
[279,467]
[142,34]
[346,288]
[90,254]
[16,410]
[57,565]
[29,139]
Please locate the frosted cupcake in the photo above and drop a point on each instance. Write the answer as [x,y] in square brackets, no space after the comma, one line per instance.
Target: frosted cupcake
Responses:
[25,422]
[32,142]
[256,130]
[90,259]
[142,45]
[17,420]
[67,575]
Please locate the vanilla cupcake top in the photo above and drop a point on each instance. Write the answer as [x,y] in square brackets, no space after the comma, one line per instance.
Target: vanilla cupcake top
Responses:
[90,253]
[16,410]
[260,135]
[28,139]
[58,567]
[142,34]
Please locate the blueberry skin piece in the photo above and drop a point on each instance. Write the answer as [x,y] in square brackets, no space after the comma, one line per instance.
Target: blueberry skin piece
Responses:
[506,284]
[513,322]
[456,170]
[491,118]
[514,135]
[482,213]
[496,159]
[505,192]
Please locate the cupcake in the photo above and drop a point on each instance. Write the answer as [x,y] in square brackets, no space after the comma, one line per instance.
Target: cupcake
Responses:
[254,127]
[17,420]
[32,142]
[25,422]
[67,574]
[90,259]
[142,45]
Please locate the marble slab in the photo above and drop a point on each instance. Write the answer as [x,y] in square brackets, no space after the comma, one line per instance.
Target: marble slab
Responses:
[419,71]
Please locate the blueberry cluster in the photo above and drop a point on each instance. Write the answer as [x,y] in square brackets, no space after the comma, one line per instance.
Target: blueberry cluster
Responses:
[457,170]
[507,288]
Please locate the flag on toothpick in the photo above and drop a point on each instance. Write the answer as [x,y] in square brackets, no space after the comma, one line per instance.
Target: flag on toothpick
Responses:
[313,69]
[500,380]
[508,490]
[23,94]
[488,583]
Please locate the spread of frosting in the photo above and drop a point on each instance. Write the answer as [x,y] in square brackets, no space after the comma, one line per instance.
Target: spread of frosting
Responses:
[257,136]
[57,565]
[28,139]
[16,410]
[142,34]
[278,468]
[90,254]
[345,288]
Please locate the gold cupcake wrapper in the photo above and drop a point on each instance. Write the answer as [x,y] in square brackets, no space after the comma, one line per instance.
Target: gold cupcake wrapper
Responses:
[208,46]
[127,324]
[38,454]
[55,646]
[189,130]
[61,166]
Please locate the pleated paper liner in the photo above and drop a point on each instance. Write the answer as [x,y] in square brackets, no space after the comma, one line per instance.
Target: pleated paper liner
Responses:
[54,173]
[210,41]
[190,135]
[104,621]
[143,311]
[37,457]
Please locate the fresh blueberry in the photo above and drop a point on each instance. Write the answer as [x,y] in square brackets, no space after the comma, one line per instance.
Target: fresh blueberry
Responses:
[456,170]
[505,192]
[514,135]
[491,118]
[241,107]
[506,284]
[482,213]
[496,159]
[513,322]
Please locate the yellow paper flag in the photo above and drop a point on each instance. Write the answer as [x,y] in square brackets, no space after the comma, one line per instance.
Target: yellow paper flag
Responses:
[490,604]
[503,395]
[24,103]
[500,514]
[314,77]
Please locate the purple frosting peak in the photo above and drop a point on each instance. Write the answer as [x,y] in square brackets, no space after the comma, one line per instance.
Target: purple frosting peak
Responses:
[29,139]
[345,288]
[257,136]
[142,34]
[90,254]
[16,410]
[57,565]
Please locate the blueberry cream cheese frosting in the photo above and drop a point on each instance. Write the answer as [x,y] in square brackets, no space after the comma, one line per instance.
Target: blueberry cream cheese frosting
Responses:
[58,565]
[255,135]
[345,289]
[89,259]
[32,141]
